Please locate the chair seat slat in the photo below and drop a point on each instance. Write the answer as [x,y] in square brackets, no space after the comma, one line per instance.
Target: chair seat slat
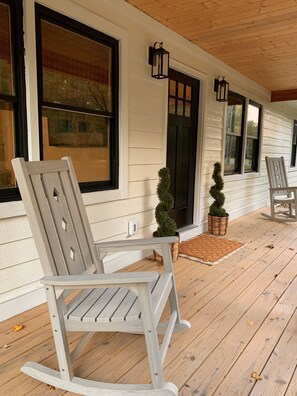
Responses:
[135,311]
[100,304]
[116,304]
[122,310]
[83,304]
[74,303]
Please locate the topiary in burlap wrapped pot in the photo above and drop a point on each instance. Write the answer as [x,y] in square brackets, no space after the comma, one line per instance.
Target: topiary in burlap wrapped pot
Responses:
[217,217]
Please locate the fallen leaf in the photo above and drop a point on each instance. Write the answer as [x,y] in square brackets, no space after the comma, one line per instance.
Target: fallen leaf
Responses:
[51,387]
[270,246]
[291,249]
[256,376]
[275,276]
[17,327]
[250,322]
[6,346]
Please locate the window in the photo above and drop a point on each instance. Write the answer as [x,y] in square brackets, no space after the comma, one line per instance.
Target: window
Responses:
[294,145]
[252,137]
[13,140]
[78,98]
[234,133]
[242,135]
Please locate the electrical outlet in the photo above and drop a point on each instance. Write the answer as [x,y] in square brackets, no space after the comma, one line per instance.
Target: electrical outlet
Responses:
[132,227]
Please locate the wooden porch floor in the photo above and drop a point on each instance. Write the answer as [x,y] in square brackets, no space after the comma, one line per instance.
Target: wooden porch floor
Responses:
[243,316]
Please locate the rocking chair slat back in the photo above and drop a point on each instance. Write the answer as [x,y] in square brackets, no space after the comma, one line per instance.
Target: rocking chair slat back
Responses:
[277,175]
[67,246]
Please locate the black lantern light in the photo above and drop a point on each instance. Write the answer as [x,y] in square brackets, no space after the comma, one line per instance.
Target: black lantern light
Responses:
[159,59]
[221,87]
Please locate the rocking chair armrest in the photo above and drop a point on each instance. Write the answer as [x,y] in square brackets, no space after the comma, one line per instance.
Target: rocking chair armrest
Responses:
[284,189]
[104,280]
[135,244]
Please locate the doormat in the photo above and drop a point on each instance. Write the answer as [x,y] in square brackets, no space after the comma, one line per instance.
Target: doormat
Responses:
[208,249]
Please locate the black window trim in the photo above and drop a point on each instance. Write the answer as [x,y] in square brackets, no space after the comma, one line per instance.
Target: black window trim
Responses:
[19,99]
[47,14]
[294,146]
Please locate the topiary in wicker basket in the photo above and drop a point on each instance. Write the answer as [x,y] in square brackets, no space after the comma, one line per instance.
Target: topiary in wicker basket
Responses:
[217,216]
[166,225]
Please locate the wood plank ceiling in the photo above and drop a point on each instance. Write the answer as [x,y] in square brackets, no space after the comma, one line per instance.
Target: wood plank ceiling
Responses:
[256,37]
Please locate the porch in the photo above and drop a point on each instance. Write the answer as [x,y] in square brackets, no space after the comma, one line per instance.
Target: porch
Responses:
[243,316]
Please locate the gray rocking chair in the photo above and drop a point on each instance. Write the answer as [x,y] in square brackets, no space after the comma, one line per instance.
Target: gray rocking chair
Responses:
[283,199]
[130,302]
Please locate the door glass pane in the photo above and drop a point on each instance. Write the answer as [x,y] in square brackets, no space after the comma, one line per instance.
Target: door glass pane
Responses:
[253,121]
[180,92]
[180,107]
[6,145]
[83,137]
[172,87]
[6,80]
[76,70]
[188,93]
[187,109]
[172,105]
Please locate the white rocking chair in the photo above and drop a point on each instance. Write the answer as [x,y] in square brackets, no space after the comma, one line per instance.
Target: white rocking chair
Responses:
[283,199]
[130,302]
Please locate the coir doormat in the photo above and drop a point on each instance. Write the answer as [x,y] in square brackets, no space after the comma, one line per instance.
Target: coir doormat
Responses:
[208,249]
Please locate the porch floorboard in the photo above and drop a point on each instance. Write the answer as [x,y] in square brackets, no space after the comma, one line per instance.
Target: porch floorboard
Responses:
[243,339]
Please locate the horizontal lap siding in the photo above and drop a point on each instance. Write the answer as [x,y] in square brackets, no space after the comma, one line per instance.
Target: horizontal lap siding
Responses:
[212,150]
[20,267]
[277,131]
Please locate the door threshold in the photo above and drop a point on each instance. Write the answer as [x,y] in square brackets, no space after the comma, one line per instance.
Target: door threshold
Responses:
[189,232]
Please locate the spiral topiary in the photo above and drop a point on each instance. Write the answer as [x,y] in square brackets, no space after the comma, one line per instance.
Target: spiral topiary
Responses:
[216,208]
[166,225]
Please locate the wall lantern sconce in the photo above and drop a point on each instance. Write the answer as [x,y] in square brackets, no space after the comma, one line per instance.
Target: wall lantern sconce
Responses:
[159,60]
[221,87]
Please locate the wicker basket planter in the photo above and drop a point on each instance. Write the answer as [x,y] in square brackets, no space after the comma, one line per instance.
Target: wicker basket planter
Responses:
[174,252]
[217,225]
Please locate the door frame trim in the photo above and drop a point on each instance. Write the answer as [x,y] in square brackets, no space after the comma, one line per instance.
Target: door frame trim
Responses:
[198,188]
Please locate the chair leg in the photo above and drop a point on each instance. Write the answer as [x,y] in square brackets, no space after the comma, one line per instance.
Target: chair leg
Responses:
[151,337]
[180,324]
[59,333]
[272,208]
[294,206]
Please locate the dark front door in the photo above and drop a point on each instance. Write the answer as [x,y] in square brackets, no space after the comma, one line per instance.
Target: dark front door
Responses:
[182,144]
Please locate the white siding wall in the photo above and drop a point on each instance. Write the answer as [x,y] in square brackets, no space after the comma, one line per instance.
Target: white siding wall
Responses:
[143,122]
